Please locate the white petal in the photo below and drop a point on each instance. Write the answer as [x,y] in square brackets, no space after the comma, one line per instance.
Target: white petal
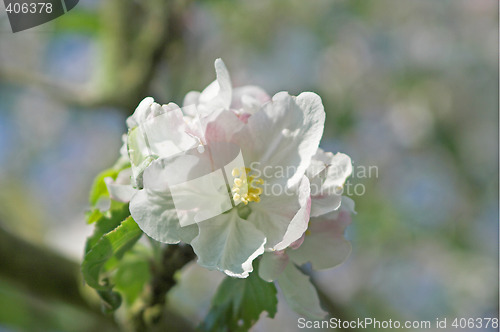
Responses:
[327,174]
[141,112]
[154,210]
[325,246]
[300,294]
[217,96]
[229,244]
[348,205]
[322,204]
[191,98]
[121,190]
[282,217]
[284,134]
[299,223]
[223,127]
[156,215]
[249,98]
[161,136]
[272,264]
[338,170]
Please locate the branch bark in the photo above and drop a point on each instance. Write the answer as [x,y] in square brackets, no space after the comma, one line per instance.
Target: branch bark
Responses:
[46,275]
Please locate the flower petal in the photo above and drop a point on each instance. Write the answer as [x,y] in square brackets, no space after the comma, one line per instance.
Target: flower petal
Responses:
[229,244]
[282,217]
[272,264]
[223,127]
[327,174]
[141,113]
[160,136]
[191,98]
[325,246]
[283,135]
[156,215]
[216,96]
[300,294]
[154,210]
[121,189]
[249,98]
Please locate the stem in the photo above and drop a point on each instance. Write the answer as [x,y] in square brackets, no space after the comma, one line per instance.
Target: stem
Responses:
[151,312]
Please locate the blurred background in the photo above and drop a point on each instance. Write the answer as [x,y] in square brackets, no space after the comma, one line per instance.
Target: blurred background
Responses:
[409,87]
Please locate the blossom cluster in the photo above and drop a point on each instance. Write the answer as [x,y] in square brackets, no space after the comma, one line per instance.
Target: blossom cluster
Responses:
[198,175]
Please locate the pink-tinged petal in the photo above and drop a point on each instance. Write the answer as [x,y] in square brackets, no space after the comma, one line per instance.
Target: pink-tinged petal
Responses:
[272,264]
[249,99]
[223,127]
[324,245]
[299,242]
[243,117]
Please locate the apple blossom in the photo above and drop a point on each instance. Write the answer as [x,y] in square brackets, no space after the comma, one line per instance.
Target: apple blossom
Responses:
[190,178]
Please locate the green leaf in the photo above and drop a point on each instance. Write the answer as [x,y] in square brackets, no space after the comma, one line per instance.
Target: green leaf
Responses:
[93,215]
[109,247]
[133,273]
[113,244]
[238,303]
[99,188]
[110,300]
[106,221]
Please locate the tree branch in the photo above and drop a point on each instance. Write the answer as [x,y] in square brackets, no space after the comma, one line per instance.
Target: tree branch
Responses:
[135,38]
[45,274]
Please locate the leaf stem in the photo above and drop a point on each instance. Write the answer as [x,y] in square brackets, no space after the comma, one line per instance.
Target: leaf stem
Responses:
[151,311]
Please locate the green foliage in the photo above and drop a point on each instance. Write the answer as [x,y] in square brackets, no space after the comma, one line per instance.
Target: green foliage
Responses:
[79,21]
[106,221]
[99,188]
[115,233]
[238,303]
[133,273]
[111,245]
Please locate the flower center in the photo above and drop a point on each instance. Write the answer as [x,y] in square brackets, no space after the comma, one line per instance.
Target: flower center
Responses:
[245,188]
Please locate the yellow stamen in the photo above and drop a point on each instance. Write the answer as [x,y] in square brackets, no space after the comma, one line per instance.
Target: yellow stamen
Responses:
[245,188]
